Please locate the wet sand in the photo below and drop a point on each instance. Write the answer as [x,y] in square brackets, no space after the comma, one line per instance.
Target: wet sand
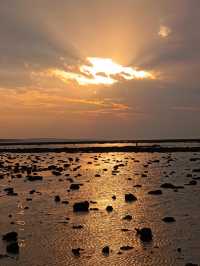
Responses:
[38,192]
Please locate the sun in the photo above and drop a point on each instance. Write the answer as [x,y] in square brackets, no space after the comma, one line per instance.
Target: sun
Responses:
[97,71]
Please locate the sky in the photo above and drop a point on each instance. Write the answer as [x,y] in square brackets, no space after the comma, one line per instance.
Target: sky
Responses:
[100,69]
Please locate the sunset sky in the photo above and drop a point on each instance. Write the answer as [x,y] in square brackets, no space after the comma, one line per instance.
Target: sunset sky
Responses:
[100,69]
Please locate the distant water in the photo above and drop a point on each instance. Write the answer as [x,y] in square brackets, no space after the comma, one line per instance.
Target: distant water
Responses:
[63,143]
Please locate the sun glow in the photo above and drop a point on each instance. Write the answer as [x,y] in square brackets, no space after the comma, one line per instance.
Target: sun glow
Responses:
[101,71]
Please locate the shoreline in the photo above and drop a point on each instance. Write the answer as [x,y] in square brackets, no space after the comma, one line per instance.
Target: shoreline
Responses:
[134,149]
[18,142]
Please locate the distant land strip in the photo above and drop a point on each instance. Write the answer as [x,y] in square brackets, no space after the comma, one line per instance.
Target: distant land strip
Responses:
[150,149]
[10,142]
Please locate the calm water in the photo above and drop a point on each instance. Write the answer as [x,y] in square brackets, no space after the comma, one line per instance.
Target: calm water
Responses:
[167,144]
[46,237]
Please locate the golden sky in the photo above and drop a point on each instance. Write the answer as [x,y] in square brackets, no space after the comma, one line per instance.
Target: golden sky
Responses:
[99,69]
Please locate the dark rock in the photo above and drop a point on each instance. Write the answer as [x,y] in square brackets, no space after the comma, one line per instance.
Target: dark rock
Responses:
[10,191]
[170,186]
[74,186]
[76,251]
[192,183]
[77,226]
[94,209]
[106,250]
[155,192]
[13,248]
[145,234]
[138,186]
[56,173]
[81,206]
[130,197]
[169,219]
[109,208]
[57,198]
[65,202]
[126,248]
[11,236]
[196,170]
[34,178]
[127,217]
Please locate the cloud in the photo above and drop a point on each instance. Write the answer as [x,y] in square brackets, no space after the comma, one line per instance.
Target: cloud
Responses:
[164,31]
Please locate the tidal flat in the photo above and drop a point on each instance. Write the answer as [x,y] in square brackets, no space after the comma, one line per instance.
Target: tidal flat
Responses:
[89,208]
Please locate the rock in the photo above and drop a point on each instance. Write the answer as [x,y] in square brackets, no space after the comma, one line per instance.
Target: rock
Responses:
[155,192]
[127,217]
[94,209]
[137,186]
[106,250]
[77,226]
[32,191]
[170,186]
[2,256]
[145,234]
[76,251]
[13,248]
[196,170]
[130,197]
[56,173]
[114,197]
[65,202]
[34,178]
[11,236]
[169,219]
[126,248]
[81,206]
[109,208]
[57,198]
[10,191]
[192,183]
[74,186]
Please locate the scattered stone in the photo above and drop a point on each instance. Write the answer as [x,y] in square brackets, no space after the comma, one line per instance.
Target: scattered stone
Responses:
[74,186]
[169,219]
[170,186]
[106,250]
[109,208]
[145,234]
[13,248]
[57,198]
[56,173]
[34,178]
[76,252]
[155,192]
[192,183]
[138,186]
[125,248]
[130,197]
[77,226]
[127,217]
[81,206]
[11,236]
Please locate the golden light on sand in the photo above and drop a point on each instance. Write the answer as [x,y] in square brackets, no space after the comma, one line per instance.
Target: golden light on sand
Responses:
[101,71]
